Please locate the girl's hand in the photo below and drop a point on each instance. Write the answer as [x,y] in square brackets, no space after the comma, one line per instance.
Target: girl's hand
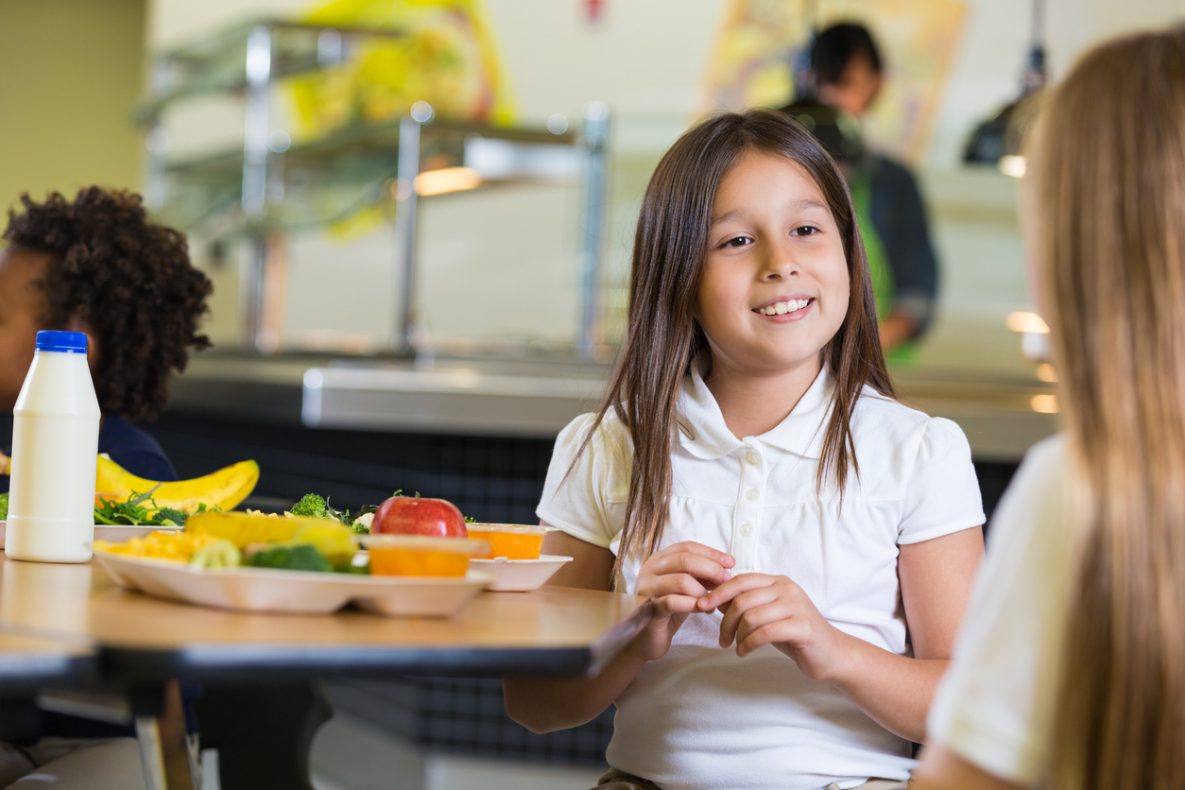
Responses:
[772,610]
[675,579]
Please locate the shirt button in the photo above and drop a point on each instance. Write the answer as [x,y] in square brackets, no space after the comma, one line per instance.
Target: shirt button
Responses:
[752,494]
[746,530]
[752,458]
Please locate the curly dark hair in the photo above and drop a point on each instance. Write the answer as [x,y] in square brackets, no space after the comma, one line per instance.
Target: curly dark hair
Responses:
[128,280]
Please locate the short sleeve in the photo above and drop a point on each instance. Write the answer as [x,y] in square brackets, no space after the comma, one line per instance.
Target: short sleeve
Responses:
[942,495]
[994,707]
[583,484]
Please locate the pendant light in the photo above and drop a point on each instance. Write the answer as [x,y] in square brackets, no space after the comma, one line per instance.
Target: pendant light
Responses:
[996,140]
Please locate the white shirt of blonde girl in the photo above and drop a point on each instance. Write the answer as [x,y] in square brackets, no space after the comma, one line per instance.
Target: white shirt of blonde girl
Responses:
[701,717]
[996,705]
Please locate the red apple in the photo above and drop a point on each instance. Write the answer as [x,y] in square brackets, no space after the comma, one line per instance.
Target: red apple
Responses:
[407,515]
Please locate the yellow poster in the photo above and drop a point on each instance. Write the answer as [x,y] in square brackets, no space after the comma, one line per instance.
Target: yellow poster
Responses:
[447,58]
[750,66]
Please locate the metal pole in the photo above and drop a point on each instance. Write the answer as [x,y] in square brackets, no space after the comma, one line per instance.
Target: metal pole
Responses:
[255,180]
[406,208]
[596,137]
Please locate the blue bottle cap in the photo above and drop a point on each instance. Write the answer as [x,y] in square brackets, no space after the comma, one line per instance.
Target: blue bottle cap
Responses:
[53,340]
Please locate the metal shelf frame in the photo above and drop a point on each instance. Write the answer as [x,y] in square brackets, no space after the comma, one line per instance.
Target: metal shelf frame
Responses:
[270,50]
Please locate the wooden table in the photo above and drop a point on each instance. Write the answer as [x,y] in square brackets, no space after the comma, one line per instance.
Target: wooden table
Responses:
[30,661]
[139,642]
[554,630]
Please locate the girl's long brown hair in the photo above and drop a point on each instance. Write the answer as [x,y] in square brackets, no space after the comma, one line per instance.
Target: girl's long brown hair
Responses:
[1108,169]
[670,248]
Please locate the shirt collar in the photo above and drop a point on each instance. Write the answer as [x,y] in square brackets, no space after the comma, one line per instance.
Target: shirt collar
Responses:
[703,432]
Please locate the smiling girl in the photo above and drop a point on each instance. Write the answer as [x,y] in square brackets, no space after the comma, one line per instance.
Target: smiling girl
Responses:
[806,541]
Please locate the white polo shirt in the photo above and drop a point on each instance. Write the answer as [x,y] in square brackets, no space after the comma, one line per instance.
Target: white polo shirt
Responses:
[701,717]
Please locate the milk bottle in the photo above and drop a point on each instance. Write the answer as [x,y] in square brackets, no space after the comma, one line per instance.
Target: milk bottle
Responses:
[55,438]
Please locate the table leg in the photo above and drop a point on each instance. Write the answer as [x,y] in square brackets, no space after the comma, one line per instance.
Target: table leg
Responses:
[152,756]
[167,755]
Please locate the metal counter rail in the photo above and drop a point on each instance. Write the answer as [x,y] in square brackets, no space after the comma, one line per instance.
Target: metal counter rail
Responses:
[458,400]
[507,398]
[997,416]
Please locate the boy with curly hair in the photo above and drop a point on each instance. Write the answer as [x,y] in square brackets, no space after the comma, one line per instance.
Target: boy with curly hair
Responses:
[97,264]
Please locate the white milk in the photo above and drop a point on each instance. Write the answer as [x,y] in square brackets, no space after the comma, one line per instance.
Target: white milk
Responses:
[55,438]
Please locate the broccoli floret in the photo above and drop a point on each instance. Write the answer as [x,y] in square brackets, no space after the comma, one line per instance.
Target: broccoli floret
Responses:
[311,505]
[317,506]
[169,517]
[302,557]
[3,506]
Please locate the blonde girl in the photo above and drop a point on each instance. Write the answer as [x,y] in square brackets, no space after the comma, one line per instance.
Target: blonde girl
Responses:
[806,541]
[1071,670]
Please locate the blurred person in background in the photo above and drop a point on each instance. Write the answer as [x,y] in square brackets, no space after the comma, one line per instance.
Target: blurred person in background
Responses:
[847,72]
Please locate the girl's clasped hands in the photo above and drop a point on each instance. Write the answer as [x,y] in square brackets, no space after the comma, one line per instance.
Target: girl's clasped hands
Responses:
[758,609]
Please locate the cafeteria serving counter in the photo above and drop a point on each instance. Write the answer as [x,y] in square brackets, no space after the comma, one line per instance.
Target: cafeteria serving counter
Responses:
[480,430]
[524,398]
[996,415]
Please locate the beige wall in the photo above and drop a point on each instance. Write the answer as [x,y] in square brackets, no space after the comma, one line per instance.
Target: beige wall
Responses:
[1117,17]
[69,72]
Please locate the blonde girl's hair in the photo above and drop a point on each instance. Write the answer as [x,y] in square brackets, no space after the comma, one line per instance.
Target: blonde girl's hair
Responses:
[1108,167]
[663,337]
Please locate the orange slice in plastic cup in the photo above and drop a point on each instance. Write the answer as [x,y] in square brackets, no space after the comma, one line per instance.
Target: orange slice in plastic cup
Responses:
[413,555]
[512,541]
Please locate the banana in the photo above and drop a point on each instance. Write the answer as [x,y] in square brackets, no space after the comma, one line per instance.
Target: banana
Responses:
[222,489]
